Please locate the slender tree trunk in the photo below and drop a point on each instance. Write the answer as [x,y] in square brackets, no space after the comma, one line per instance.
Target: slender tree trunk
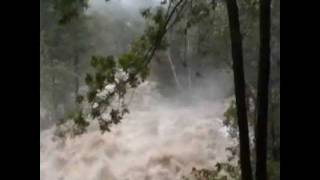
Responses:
[239,85]
[53,94]
[189,68]
[54,101]
[273,140]
[263,89]
[186,62]
[253,113]
[172,66]
[187,49]
[76,73]
[173,69]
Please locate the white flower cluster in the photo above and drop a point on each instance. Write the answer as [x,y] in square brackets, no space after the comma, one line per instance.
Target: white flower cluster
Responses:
[106,116]
[108,89]
[121,75]
[95,105]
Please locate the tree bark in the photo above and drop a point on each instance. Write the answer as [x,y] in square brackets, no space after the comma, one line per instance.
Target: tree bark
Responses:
[172,66]
[239,85]
[186,61]
[273,140]
[54,101]
[187,48]
[76,73]
[263,89]
[173,69]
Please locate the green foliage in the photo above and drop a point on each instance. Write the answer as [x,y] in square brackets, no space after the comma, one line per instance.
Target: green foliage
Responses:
[79,99]
[89,80]
[103,64]
[206,18]
[222,171]
[156,27]
[146,13]
[80,123]
[69,9]
[131,62]
[199,11]
[111,78]
[73,128]
[273,170]
[63,51]
[134,63]
[107,84]
[230,120]
[273,163]
[158,17]
[91,95]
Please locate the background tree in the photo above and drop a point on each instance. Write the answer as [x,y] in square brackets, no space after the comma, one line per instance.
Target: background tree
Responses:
[263,89]
[239,85]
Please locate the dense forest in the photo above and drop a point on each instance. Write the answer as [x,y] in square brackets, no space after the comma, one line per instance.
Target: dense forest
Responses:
[160,89]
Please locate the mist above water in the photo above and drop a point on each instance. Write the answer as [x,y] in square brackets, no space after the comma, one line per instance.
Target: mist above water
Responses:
[119,7]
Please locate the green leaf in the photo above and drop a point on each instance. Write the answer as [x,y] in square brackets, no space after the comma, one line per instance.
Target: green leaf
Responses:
[145,13]
[126,61]
[108,63]
[95,113]
[91,95]
[94,61]
[89,80]
[79,99]
[100,78]
[158,18]
[144,73]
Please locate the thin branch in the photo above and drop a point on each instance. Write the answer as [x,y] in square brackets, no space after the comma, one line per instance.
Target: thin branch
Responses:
[177,16]
[162,31]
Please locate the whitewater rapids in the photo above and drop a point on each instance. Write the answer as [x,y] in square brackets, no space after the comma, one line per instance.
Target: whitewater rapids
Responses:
[158,140]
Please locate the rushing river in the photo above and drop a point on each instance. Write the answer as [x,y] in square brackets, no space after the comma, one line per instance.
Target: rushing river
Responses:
[158,140]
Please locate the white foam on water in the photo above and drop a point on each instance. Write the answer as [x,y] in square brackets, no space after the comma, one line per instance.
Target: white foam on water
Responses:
[158,140]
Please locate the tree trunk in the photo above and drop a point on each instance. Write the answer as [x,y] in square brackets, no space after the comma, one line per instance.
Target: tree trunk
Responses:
[76,73]
[53,100]
[172,66]
[187,49]
[273,140]
[186,62]
[263,89]
[173,69]
[53,92]
[239,85]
